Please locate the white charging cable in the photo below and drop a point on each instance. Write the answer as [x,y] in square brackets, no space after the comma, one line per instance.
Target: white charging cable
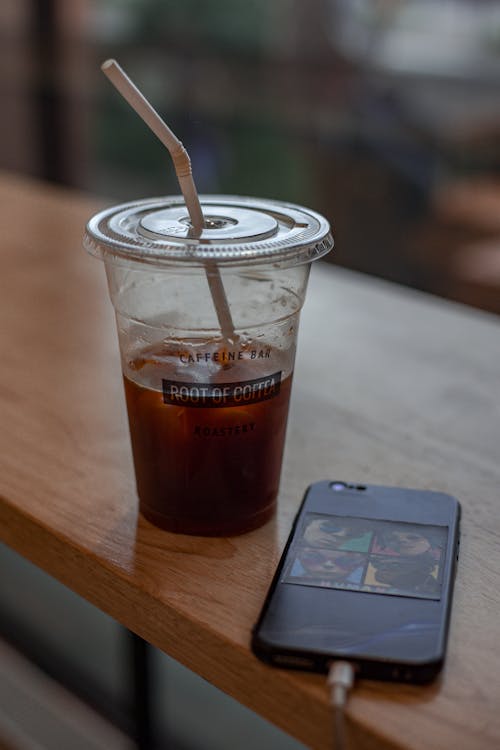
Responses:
[340,680]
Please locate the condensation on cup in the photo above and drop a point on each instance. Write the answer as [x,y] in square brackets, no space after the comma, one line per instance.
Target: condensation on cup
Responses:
[207,408]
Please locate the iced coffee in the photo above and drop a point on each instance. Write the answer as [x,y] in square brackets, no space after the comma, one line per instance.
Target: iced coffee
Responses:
[207,408]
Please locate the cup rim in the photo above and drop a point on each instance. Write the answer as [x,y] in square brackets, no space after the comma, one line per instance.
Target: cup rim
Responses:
[118,234]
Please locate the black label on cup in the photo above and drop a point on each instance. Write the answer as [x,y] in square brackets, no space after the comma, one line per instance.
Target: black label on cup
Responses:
[215,395]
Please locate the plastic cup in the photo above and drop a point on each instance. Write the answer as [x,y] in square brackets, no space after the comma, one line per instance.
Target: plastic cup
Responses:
[207,412]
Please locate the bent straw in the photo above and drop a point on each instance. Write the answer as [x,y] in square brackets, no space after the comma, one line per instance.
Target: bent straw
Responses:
[182,163]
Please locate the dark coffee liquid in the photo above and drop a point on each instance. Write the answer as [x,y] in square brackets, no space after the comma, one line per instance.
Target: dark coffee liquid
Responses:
[203,467]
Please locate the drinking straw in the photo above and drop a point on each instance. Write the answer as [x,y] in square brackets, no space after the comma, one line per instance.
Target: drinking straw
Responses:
[182,164]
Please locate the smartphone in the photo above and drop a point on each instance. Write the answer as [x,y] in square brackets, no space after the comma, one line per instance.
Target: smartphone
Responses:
[367,576]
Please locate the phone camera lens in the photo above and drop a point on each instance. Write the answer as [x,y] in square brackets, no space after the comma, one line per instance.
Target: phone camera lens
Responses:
[337,486]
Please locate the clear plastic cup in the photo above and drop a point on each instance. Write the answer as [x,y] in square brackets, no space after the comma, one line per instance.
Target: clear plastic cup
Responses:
[207,411]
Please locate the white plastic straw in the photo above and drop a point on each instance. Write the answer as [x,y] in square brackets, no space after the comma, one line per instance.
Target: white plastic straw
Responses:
[182,164]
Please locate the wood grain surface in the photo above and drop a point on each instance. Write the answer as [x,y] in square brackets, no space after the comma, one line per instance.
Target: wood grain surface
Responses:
[391,387]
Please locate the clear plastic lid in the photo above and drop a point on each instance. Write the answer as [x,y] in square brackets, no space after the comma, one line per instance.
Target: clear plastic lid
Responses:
[238,231]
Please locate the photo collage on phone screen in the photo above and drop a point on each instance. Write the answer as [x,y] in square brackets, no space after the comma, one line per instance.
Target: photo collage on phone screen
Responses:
[375,556]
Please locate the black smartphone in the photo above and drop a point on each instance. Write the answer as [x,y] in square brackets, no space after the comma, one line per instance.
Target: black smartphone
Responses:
[367,576]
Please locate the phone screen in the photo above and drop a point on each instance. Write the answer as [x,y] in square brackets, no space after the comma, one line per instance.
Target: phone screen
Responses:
[362,554]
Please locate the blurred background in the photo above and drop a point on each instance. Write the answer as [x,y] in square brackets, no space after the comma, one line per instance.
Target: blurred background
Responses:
[384,115]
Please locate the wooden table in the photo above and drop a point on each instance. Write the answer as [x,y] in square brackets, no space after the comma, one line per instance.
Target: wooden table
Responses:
[391,387]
